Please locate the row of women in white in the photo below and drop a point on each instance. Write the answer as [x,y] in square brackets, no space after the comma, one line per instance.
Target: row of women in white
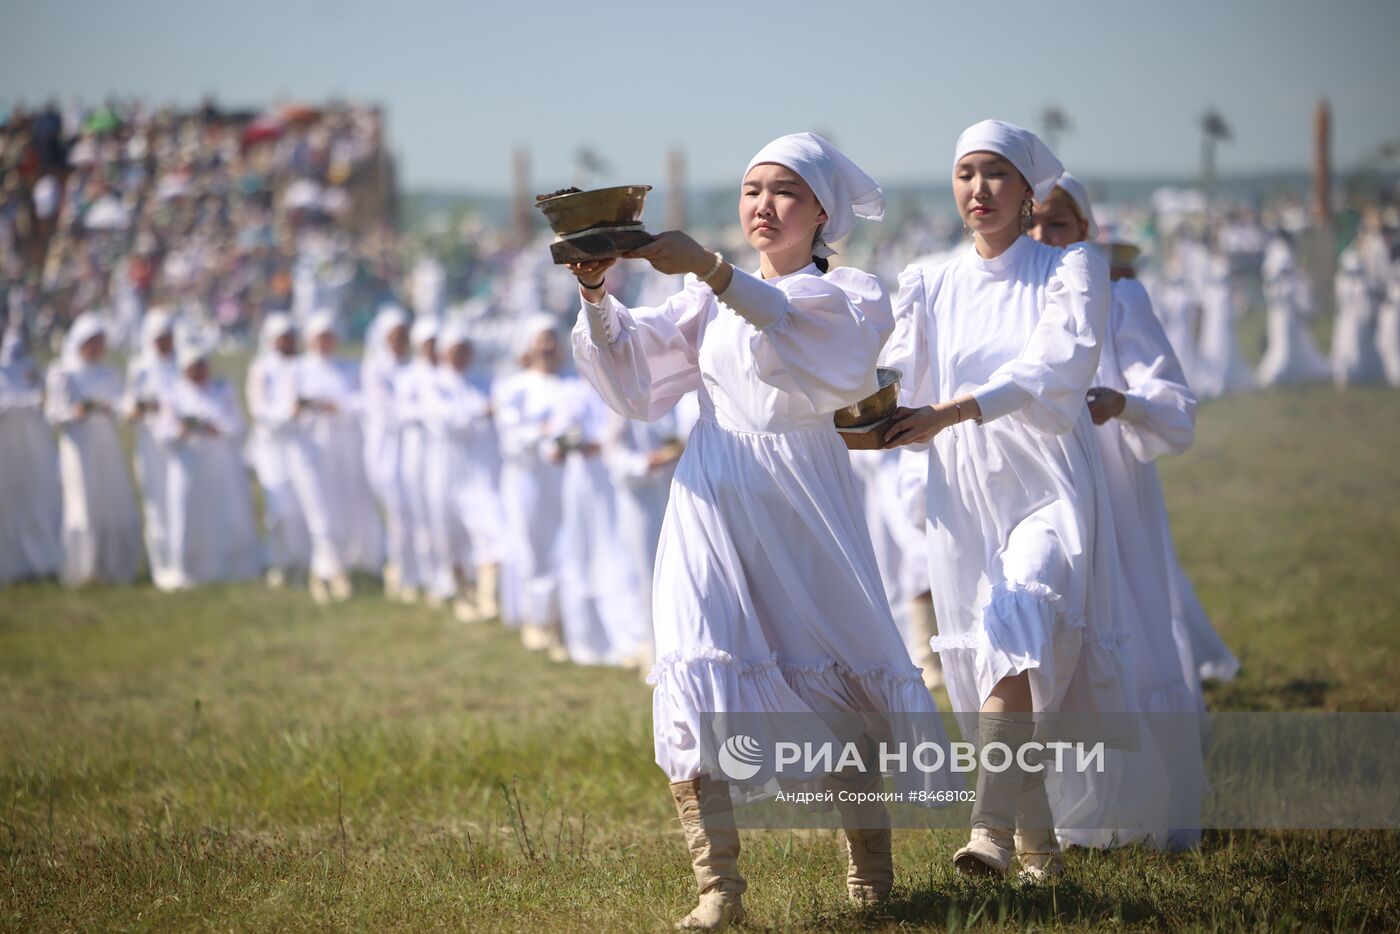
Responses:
[1036,394]
[401,464]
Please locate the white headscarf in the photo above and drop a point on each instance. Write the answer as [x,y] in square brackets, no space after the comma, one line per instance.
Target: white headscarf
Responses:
[1080,196]
[842,187]
[424,329]
[322,322]
[385,320]
[192,348]
[531,328]
[273,327]
[157,323]
[454,332]
[1022,148]
[85,327]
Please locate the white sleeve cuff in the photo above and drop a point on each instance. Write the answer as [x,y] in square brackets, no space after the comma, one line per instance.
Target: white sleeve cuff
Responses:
[998,397]
[603,325]
[762,304]
[1134,408]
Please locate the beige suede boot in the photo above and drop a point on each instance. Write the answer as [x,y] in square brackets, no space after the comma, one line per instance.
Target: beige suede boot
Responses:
[869,843]
[1037,850]
[988,851]
[707,819]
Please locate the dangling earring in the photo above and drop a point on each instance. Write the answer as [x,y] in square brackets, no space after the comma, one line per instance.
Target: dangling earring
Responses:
[1027,212]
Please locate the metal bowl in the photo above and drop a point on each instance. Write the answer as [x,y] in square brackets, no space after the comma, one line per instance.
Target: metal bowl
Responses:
[872,408]
[602,207]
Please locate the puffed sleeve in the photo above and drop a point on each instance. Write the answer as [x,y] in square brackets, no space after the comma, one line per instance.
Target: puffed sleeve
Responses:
[642,360]
[1046,383]
[60,404]
[816,335]
[908,347]
[1159,416]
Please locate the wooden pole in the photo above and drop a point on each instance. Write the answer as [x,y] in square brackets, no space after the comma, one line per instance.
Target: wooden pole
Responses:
[524,202]
[675,184]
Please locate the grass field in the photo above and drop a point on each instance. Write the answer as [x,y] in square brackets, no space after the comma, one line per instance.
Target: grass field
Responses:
[239,758]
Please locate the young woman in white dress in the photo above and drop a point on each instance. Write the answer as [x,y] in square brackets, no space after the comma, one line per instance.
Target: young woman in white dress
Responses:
[327,466]
[209,508]
[532,487]
[150,378]
[464,484]
[1143,409]
[31,522]
[271,393]
[415,384]
[101,528]
[998,346]
[767,596]
[385,356]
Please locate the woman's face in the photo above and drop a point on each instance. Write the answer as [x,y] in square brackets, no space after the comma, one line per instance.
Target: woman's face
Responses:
[778,210]
[198,372]
[165,344]
[989,192]
[544,352]
[286,344]
[93,349]
[324,343]
[1055,221]
[428,350]
[459,356]
[397,339]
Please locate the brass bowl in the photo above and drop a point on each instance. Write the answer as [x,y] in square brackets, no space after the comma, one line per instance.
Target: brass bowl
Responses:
[875,407]
[602,207]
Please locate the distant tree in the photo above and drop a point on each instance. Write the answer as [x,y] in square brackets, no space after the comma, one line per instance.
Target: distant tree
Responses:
[1214,130]
[1053,122]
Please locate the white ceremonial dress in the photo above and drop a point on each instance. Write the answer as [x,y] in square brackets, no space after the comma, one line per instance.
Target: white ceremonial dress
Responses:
[1221,369]
[101,527]
[1152,794]
[767,596]
[642,493]
[1355,358]
[209,508]
[596,586]
[31,520]
[149,381]
[378,376]
[415,388]
[1021,545]
[531,497]
[463,480]
[272,404]
[328,472]
[1290,355]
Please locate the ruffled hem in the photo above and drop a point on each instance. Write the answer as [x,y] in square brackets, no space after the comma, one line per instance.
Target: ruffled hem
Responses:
[695,685]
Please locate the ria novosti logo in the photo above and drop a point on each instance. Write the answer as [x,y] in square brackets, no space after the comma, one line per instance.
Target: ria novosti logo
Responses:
[740,757]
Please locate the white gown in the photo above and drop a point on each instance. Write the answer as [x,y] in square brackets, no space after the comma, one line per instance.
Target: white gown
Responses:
[1388,329]
[328,474]
[642,493]
[1155,791]
[1290,355]
[596,587]
[463,480]
[31,521]
[1220,368]
[150,379]
[415,386]
[1355,358]
[767,595]
[531,497]
[101,528]
[378,375]
[209,510]
[1020,538]
[272,396]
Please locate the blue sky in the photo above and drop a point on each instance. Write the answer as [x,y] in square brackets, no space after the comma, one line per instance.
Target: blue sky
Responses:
[892,82]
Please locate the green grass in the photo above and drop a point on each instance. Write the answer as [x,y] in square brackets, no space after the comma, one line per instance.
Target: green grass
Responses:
[239,758]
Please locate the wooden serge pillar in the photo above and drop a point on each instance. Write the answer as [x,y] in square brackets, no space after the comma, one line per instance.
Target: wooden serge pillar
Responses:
[1323,235]
[523,215]
[675,189]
